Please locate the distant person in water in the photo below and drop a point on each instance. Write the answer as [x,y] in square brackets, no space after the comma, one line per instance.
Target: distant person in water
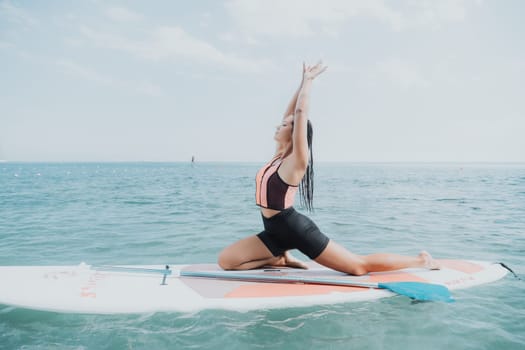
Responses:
[290,169]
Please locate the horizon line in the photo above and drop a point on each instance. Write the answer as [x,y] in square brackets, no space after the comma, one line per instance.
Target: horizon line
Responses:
[257,161]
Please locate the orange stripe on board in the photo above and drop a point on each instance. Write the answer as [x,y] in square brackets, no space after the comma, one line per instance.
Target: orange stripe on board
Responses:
[265,290]
[460,265]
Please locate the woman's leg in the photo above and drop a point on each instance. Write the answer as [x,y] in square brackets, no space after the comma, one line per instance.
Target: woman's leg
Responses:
[251,253]
[339,258]
[248,253]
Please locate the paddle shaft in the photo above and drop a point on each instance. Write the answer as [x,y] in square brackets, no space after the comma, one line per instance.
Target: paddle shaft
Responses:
[240,276]
[277,279]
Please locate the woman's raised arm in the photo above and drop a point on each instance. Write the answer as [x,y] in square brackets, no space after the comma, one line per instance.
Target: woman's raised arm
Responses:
[299,137]
[293,102]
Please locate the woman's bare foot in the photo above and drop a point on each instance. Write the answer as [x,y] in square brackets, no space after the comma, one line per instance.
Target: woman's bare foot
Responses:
[289,261]
[428,261]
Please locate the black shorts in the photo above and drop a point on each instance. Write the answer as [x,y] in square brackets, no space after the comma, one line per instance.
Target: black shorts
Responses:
[292,230]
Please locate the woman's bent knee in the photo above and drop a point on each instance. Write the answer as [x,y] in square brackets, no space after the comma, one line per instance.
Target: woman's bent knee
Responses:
[358,267]
[225,260]
[358,270]
[248,253]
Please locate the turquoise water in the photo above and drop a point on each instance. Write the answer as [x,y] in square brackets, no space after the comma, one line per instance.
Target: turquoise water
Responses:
[157,213]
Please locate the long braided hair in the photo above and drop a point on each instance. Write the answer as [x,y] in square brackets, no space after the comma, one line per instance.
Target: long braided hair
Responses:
[306,187]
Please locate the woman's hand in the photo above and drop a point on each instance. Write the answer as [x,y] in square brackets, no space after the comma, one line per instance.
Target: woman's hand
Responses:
[311,72]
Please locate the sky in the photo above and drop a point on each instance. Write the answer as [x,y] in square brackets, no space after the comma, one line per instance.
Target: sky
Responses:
[407,81]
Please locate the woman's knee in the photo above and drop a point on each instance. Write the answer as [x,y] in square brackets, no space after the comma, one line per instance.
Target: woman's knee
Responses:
[244,254]
[358,269]
[226,260]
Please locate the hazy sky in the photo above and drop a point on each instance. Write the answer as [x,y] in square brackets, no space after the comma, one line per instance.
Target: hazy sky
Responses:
[413,80]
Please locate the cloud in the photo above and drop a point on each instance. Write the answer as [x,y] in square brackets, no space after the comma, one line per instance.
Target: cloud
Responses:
[307,18]
[121,14]
[402,73]
[83,72]
[80,71]
[16,15]
[292,18]
[174,43]
[433,14]
[205,18]
[395,71]
[5,45]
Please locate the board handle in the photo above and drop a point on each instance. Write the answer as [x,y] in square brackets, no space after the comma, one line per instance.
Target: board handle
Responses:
[164,272]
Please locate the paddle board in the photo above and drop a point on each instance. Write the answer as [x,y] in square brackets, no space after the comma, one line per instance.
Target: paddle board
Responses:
[143,289]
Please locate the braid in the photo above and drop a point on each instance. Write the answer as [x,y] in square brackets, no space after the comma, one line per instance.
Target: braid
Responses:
[306,187]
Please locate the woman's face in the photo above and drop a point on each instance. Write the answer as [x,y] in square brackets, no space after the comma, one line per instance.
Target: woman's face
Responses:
[283,133]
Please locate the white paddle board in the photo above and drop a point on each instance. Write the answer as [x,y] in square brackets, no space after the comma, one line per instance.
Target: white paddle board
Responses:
[87,289]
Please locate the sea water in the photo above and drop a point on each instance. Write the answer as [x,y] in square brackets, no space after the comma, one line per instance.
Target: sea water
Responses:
[176,213]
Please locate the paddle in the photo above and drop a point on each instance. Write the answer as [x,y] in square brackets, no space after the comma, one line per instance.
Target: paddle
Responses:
[415,290]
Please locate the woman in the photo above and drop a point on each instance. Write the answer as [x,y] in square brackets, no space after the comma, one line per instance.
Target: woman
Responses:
[284,228]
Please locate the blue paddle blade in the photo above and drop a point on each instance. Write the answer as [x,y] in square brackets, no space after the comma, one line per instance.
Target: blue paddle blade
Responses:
[419,291]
